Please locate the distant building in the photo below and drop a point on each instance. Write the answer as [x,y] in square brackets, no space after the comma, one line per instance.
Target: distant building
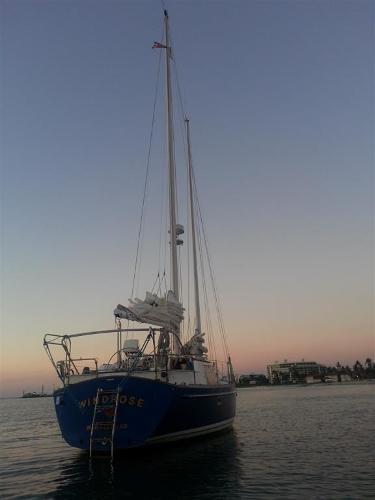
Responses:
[252,379]
[311,379]
[292,372]
[340,377]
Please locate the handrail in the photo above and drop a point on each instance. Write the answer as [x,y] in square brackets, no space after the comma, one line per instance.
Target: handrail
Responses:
[82,334]
[66,367]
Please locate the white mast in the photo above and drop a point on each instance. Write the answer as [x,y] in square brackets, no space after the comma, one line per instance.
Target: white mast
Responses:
[174,231]
[171,167]
[192,219]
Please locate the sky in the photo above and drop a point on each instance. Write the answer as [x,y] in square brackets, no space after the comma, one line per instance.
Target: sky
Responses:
[280,94]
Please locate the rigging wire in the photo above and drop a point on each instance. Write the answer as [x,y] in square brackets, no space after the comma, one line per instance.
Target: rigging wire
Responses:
[137,258]
[157,279]
[209,323]
[199,213]
[209,328]
[188,236]
[174,66]
[172,153]
[212,275]
[163,213]
[182,118]
[201,232]
[162,259]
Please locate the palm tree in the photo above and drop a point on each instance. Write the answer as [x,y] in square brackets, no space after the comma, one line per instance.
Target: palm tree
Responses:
[358,369]
[348,370]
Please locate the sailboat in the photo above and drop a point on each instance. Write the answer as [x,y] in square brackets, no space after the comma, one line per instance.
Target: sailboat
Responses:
[155,388]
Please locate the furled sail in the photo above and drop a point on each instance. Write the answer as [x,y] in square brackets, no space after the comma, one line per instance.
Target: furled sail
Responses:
[166,312]
[195,346]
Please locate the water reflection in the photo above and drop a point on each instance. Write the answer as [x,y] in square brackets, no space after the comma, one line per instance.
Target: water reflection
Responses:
[207,468]
[288,443]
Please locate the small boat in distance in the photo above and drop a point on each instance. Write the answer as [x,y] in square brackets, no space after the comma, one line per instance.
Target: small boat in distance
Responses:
[164,386]
[41,394]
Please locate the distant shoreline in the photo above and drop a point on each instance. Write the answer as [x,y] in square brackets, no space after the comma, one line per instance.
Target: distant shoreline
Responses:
[304,384]
[274,386]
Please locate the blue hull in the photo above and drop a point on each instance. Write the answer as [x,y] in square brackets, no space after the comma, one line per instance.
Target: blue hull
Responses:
[148,412]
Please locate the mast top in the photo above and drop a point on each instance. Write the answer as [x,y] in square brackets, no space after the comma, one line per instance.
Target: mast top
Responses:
[165,13]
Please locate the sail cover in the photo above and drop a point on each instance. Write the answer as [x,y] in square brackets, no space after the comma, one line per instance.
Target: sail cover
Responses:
[166,311]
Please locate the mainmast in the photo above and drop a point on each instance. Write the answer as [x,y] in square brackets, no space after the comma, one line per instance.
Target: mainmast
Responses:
[171,166]
[174,229]
[192,221]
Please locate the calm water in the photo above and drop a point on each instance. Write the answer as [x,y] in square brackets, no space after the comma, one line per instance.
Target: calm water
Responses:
[288,442]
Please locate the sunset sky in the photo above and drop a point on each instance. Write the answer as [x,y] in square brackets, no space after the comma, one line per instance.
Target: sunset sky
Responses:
[280,94]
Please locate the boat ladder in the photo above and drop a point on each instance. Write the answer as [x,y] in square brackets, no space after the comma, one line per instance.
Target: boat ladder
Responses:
[103,426]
